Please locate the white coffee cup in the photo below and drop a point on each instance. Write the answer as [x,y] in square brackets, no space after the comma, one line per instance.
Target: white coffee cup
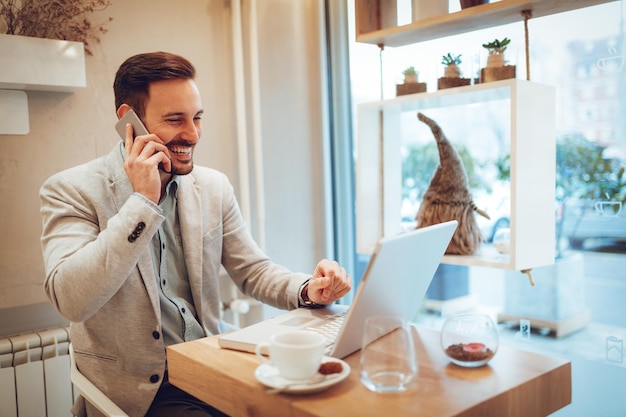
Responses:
[295,354]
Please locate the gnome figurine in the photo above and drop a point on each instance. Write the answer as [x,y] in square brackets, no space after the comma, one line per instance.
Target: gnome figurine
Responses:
[448,197]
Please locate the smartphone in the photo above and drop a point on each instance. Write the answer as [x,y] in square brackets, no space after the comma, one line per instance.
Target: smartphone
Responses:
[138,128]
[132,118]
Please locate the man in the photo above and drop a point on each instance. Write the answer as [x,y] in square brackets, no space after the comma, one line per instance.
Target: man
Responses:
[133,243]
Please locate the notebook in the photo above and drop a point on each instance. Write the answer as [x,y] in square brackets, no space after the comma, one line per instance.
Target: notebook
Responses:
[394,283]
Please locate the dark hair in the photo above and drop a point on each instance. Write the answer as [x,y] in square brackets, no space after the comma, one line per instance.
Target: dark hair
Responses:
[136,74]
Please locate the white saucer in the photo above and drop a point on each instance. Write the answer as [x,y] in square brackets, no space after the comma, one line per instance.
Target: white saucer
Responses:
[268,375]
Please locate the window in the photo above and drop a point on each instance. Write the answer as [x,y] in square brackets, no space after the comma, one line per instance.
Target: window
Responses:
[588,69]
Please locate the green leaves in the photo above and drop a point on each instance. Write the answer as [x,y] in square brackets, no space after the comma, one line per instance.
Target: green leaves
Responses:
[450,59]
[410,71]
[497,46]
[582,171]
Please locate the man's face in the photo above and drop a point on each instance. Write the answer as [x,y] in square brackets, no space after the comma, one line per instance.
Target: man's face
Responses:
[173,112]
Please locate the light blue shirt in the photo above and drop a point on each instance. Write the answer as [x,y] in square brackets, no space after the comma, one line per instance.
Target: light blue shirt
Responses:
[178,314]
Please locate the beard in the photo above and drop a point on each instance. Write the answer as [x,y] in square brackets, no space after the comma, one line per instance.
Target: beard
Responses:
[183,169]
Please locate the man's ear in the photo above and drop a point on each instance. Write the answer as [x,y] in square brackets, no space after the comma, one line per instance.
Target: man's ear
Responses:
[122,109]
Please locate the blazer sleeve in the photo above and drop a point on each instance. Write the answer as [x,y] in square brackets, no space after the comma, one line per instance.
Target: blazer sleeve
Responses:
[89,248]
[254,273]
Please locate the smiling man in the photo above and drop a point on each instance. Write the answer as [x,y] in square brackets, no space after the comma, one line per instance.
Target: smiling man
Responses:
[133,243]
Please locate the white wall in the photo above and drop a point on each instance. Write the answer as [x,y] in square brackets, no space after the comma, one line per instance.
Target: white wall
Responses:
[68,129]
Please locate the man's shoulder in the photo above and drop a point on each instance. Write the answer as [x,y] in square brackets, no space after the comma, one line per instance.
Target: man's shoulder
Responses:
[204,174]
[208,181]
[79,171]
[95,168]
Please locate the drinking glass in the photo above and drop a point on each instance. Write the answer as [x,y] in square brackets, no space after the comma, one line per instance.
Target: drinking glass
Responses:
[388,360]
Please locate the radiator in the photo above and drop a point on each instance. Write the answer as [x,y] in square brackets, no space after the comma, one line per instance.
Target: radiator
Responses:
[35,367]
[35,375]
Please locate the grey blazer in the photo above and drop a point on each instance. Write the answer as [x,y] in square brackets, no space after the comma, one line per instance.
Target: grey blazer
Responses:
[99,274]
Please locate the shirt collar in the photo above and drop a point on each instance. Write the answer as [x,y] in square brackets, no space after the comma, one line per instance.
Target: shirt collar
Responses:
[173,185]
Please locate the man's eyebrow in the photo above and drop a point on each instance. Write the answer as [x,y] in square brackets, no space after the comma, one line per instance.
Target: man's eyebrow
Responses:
[173,114]
[178,114]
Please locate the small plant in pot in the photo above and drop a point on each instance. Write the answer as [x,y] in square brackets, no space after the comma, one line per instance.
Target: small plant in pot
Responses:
[452,72]
[497,68]
[410,75]
[496,50]
[411,84]
[451,63]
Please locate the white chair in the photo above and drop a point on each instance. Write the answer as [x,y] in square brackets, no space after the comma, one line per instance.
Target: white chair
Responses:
[91,393]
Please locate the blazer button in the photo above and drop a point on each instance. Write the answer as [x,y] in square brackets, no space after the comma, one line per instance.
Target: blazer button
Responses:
[154,378]
[138,229]
[156,335]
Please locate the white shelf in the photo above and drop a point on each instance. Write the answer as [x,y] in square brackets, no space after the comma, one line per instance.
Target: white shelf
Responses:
[531,136]
[34,64]
[13,112]
[457,96]
[376,20]
[41,64]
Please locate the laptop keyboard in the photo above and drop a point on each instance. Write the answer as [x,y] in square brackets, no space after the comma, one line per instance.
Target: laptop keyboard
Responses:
[329,328]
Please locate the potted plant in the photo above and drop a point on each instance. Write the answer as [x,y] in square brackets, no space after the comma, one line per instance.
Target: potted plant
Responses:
[496,50]
[410,75]
[497,68]
[410,84]
[451,63]
[452,72]
[48,19]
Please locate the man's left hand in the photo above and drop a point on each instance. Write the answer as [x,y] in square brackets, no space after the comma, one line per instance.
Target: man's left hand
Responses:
[329,283]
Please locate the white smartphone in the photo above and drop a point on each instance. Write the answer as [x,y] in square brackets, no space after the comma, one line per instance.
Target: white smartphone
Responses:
[132,118]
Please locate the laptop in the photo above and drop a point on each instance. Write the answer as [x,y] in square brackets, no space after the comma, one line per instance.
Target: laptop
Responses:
[394,283]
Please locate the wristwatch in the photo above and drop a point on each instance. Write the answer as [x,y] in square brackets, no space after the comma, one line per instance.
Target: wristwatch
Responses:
[304,296]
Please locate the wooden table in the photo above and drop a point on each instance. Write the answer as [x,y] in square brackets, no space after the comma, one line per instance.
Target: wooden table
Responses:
[515,383]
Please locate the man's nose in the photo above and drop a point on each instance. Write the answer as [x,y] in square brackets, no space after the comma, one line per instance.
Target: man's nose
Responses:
[191,131]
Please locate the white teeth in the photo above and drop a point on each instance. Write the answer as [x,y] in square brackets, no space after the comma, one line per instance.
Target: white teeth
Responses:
[180,149]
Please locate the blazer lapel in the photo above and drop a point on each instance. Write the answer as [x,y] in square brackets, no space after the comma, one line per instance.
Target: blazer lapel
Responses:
[191,229]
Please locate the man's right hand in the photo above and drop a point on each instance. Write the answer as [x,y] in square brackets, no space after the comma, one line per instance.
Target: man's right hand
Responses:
[144,155]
